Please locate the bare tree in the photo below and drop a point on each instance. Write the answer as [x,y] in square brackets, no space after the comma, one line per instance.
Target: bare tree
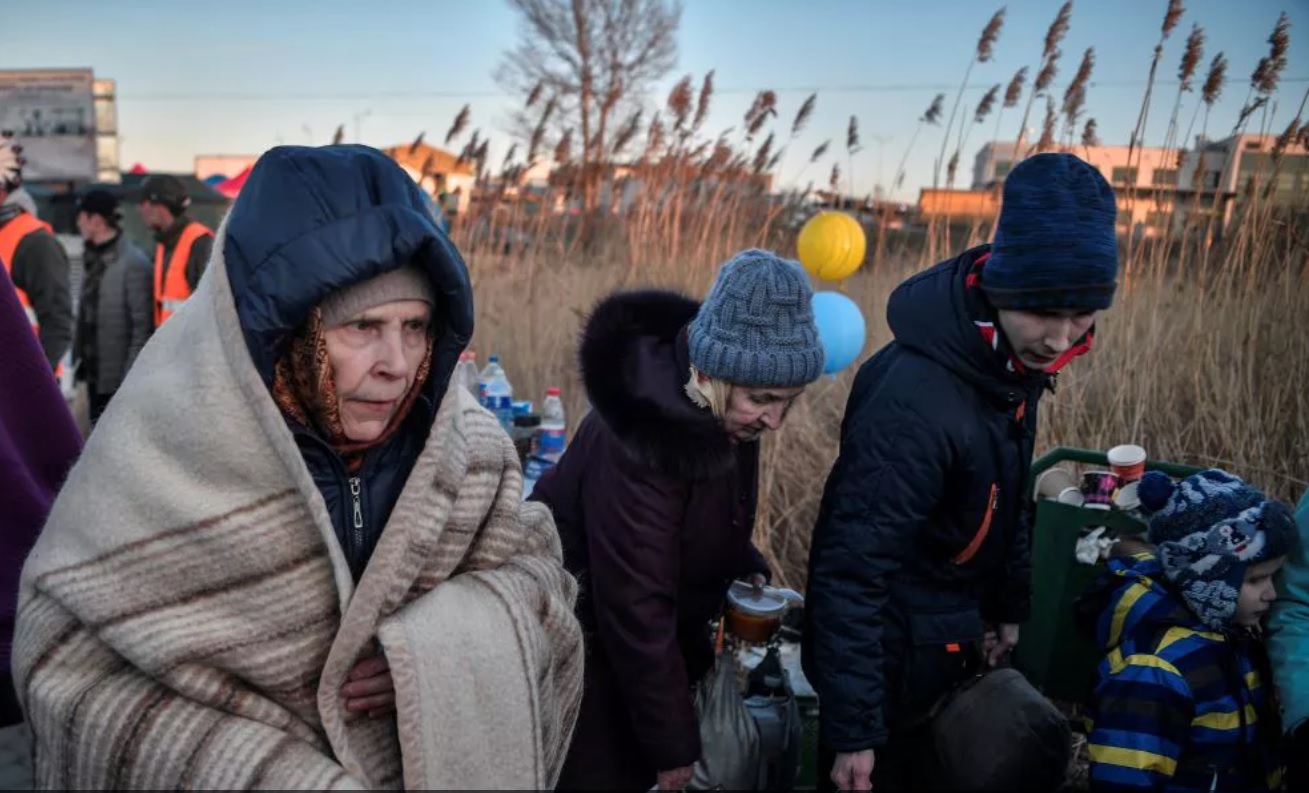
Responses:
[596,58]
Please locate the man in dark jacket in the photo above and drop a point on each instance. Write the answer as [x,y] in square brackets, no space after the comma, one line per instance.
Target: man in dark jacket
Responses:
[655,501]
[115,314]
[920,562]
[180,241]
[36,262]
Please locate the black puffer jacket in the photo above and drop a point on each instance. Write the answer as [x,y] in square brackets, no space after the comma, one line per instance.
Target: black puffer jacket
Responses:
[923,533]
[348,214]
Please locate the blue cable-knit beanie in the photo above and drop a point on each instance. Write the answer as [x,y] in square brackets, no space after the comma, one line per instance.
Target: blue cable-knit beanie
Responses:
[1209,528]
[1055,246]
[756,328]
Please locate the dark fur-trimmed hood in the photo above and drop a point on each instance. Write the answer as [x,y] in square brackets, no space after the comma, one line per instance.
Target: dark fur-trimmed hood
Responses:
[635,366]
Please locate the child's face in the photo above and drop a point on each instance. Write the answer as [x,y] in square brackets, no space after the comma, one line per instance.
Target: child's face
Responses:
[1258,592]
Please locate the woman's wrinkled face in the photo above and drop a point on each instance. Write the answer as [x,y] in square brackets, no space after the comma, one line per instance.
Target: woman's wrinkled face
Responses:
[375,356]
[753,411]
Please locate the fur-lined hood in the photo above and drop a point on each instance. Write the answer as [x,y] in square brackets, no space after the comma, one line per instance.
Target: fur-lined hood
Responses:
[635,366]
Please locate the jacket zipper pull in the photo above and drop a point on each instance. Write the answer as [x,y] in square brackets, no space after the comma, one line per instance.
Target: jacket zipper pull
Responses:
[355,490]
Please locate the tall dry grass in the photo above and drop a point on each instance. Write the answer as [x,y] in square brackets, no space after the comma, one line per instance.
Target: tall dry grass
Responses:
[1207,365]
[1203,359]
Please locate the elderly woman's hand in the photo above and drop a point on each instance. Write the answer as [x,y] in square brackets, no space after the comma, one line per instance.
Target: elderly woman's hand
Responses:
[370,688]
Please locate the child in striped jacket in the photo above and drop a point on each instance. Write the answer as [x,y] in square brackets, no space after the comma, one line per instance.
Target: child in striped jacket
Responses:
[1184,699]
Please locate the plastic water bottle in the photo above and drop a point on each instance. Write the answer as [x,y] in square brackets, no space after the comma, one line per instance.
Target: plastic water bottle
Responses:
[466,373]
[534,468]
[554,424]
[493,368]
[492,371]
[500,397]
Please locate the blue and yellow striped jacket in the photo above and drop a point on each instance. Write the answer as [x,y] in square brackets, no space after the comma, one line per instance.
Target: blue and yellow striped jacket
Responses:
[1175,706]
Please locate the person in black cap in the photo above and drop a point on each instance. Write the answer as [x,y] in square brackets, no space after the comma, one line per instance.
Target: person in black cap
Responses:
[183,245]
[920,564]
[115,314]
[34,259]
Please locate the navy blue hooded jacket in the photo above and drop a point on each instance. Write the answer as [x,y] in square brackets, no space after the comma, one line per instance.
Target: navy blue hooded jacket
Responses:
[922,536]
[311,221]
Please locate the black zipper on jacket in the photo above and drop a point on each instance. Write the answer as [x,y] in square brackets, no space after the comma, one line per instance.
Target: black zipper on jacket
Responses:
[353,507]
[356,496]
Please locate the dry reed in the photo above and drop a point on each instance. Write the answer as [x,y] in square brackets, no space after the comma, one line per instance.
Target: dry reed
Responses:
[1183,365]
[1203,360]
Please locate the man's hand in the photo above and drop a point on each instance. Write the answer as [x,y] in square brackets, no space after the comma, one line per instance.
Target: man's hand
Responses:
[853,770]
[676,778]
[998,645]
[370,688]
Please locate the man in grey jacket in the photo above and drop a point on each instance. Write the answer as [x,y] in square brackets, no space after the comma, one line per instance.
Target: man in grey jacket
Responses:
[116,312]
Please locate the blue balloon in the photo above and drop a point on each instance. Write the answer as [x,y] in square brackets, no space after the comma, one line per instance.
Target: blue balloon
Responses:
[840,328]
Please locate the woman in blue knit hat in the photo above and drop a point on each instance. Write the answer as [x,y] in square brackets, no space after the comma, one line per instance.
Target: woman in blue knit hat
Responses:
[1183,699]
[655,500]
[920,560]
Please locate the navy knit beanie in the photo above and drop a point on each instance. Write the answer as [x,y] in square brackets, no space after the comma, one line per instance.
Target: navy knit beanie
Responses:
[756,328]
[1055,246]
[1209,528]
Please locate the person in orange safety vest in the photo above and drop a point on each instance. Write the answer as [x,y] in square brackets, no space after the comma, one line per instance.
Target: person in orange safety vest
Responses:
[182,245]
[34,259]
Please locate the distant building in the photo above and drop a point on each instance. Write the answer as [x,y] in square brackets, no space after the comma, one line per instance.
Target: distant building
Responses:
[437,171]
[1221,170]
[105,98]
[953,204]
[67,122]
[1164,189]
[624,183]
[1146,191]
[214,168]
[539,174]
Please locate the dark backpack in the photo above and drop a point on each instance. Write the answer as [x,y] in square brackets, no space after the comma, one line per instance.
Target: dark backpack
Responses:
[997,732]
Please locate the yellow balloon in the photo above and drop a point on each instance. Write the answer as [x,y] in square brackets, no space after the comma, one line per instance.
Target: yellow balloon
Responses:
[832,246]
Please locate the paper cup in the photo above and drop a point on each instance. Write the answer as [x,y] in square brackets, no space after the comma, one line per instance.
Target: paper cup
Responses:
[1072,496]
[1128,461]
[1053,482]
[1099,488]
[1127,499]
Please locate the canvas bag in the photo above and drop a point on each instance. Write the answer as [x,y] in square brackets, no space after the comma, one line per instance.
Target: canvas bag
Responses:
[997,732]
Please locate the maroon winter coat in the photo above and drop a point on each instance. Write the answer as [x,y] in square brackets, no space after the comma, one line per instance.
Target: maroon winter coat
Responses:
[655,507]
[39,443]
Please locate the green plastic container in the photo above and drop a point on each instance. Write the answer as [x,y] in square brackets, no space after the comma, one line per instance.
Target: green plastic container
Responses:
[808,776]
[1051,652]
